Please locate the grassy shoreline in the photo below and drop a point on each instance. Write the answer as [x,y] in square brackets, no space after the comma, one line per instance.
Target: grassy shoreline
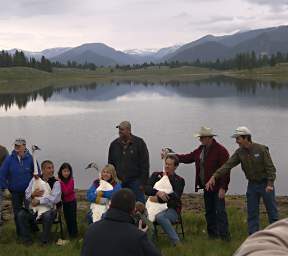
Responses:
[196,242]
[22,79]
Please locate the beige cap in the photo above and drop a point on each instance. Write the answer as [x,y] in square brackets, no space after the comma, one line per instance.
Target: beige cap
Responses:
[19,142]
[124,124]
[242,130]
[205,132]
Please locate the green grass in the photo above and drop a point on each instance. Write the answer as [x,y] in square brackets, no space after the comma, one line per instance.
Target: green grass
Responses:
[196,241]
[23,80]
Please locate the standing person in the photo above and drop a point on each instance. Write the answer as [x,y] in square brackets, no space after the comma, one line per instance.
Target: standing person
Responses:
[116,233]
[3,154]
[208,157]
[171,215]
[260,172]
[69,202]
[15,174]
[129,155]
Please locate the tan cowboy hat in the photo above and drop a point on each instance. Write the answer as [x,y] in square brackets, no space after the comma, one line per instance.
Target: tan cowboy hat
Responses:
[205,132]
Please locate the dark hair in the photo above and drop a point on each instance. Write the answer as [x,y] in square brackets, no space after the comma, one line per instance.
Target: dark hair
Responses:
[248,137]
[124,200]
[174,158]
[44,163]
[62,167]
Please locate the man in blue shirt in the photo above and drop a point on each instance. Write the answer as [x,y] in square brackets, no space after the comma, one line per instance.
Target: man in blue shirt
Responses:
[15,174]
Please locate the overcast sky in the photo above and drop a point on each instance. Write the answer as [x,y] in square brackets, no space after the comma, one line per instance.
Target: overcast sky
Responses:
[127,24]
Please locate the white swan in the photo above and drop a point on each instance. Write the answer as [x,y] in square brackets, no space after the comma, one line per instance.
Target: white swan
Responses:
[39,184]
[99,209]
[153,208]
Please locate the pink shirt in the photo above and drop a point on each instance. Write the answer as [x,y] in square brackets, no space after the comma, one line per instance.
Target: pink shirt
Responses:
[68,191]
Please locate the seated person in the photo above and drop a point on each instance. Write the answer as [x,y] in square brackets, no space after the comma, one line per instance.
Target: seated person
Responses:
[99,195]
[116,233]
[27,218]
[169,215]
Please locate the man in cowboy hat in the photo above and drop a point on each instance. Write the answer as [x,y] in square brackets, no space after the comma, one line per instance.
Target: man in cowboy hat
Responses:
[208,157]
[259,169]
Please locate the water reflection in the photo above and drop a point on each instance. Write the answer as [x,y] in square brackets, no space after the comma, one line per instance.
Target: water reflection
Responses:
[268,93]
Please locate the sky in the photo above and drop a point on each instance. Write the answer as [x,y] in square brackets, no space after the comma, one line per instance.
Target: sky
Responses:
[36,25]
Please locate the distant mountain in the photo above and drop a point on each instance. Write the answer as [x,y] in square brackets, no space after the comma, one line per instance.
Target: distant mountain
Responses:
[209,48]
[52,52]
[99,52]
[48,53]
[151,55]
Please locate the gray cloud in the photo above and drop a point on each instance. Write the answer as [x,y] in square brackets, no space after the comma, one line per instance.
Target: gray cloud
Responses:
[275,5]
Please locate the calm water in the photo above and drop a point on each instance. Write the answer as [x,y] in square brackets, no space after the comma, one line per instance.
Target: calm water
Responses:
[77,125]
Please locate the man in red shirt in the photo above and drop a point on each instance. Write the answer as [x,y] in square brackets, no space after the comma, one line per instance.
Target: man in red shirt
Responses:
[208,157]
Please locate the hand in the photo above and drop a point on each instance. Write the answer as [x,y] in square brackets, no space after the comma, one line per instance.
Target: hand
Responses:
[210,184]
[37,193]
[221,193]
[35,202]
[164,153]
[140,227]
[153,199]
[269,188]
[163,196]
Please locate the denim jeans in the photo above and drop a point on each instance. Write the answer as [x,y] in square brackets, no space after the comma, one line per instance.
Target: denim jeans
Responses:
[18,202]
[165,220]
[27,222]
[134,185]
[254,192]
[216,216]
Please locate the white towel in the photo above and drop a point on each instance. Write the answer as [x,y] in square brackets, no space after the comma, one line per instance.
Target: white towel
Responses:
[153,208]
[99,209]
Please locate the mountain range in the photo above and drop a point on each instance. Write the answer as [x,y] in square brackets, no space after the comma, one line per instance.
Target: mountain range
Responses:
[266,41]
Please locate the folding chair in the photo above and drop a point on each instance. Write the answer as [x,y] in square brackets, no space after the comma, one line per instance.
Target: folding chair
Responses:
[177,224]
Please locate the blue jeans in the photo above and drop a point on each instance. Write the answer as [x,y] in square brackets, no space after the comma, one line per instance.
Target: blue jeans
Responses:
[134,185]
[216,216]
[27,222]
[18,202]
[254,192]
[165,220]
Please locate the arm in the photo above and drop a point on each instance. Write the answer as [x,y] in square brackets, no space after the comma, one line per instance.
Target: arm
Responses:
[91,194]
[108,194]
[225,168]
[149,190]
[187,158]
[110,155]
[223,158]
[144,162]
[28,191]
[178,190]
[269,167]
[54,197]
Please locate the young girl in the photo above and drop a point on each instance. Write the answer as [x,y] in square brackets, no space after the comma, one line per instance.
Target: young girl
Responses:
[108,174]
[68,198]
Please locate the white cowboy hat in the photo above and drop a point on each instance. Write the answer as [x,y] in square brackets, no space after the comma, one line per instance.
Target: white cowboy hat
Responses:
[242,130]
[205,132]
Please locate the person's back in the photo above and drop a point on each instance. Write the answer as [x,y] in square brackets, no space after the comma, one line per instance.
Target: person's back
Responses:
[117,234]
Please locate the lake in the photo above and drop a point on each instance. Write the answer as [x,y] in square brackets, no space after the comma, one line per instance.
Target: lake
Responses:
[77,124]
